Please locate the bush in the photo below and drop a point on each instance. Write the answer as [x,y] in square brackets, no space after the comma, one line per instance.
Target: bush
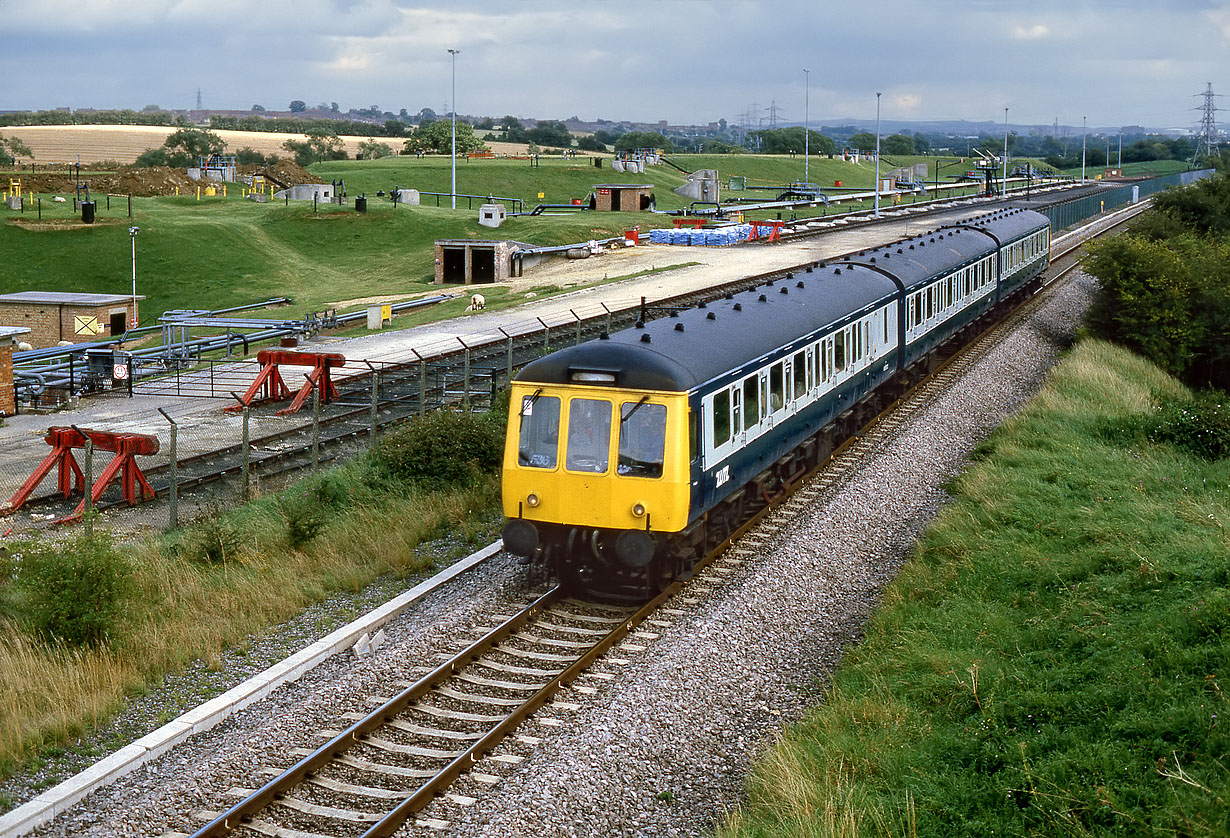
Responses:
[74,592]
[303,516]
[1200,426]
[443,448]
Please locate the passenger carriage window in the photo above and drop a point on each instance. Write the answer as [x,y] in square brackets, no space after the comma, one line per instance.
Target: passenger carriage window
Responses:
[693,436]
[751,402]
[538,443]
[884,323]
[642,439]
[800,375]
[930,302]
[764,396]
[839,351]
[826,359]
[777,386]
[721,418]
[589,436]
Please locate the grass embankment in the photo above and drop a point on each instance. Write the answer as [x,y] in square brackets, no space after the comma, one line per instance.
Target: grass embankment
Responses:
[1051,660]
[191,594]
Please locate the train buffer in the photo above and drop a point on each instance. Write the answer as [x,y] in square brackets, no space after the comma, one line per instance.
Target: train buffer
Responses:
[70,479]
[774,234]
[269,386]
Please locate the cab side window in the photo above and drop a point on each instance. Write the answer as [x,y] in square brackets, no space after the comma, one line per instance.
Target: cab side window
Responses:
[538,444]
[642,439]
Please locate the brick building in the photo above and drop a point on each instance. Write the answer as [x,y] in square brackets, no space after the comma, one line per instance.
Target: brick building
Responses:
[623,197]
[8,341]
[54,316]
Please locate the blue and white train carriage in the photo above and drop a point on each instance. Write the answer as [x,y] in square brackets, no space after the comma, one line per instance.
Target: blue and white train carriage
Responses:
[633,454]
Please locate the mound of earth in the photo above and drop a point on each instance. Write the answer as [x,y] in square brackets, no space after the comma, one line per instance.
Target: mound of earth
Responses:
[283,173]
[129,180]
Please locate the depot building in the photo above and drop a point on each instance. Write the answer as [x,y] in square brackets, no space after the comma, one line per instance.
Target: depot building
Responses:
[57,316]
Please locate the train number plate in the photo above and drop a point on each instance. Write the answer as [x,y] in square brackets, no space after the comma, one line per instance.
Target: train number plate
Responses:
[721,476]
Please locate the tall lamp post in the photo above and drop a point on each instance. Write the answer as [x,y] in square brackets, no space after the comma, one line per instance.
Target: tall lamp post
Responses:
[132,234]
[1005,190]
[877,213]
[806,98]
[1082,149]
[453,187]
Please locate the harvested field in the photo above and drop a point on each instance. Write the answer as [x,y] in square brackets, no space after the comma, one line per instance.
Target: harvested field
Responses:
[123,143]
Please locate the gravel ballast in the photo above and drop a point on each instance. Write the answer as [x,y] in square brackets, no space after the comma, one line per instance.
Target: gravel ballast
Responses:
[664,747]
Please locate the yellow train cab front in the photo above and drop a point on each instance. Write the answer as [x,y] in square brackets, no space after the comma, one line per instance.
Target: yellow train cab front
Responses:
[597,457]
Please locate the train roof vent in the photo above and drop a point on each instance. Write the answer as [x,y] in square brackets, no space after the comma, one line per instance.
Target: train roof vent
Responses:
[762,298]
[799,284]
[674,313]
[789,274]
[784,290]
[728,296]
[837,271]
[807,269]
[678,328]
[640,324]
[911,247]
[645,338]
[604,336]
[702,304]
[738,307]
[711,316]
[770,282]
[899,250]
[873,260]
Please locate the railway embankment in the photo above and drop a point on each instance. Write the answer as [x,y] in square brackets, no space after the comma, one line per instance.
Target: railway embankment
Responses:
[1050,658]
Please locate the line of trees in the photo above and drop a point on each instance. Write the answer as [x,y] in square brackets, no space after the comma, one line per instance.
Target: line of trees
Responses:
[1164,287]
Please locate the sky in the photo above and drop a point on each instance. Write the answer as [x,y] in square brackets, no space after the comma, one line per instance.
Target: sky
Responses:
[1117,62]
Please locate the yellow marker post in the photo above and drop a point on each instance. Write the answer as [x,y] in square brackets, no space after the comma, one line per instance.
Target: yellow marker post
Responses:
[198,193]
[541,195]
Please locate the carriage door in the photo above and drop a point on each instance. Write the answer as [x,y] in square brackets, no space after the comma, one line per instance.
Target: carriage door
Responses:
[736,415]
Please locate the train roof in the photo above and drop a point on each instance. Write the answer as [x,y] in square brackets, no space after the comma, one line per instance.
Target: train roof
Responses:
[682,352]
[1011,223]
[918,260]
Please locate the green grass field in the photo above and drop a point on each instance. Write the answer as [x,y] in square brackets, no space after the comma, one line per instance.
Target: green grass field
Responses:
[218,252]
[1050,662]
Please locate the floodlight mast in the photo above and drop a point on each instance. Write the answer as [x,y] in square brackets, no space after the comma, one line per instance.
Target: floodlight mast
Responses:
[453,184]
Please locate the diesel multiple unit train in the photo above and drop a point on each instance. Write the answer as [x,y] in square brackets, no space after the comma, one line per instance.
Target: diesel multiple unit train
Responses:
[631,455]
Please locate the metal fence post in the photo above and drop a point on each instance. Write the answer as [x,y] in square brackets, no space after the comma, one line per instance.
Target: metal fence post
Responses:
[315,429]
[173,493]
[508,353]
[465,393]
[247,455]
[546,334]
[578,319]
[422,383]
[608,317]
[89,485]
[371,432]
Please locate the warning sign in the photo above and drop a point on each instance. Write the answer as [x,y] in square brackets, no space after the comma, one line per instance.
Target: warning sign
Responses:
[119,371]
[86,326]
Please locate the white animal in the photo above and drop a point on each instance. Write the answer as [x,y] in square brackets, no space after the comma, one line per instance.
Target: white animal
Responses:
[22,346]
[477,303]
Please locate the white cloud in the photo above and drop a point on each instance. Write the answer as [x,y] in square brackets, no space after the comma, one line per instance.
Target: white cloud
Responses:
[1030,33]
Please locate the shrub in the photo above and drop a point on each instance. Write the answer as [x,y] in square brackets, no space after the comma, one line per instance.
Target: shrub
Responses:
[1200,426]
[303,516]
[214,538]
[443,448]
[73,592]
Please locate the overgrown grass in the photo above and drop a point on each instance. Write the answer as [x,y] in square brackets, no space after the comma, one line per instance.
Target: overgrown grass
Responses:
[1050,662]
[207,587]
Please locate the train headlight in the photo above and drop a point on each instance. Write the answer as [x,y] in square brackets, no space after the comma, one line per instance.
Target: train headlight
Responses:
[639,510]
[532,500]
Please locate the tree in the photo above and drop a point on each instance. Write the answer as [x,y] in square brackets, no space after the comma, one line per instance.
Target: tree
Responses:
[863,141]
[437,137]
[258,109]
[590,143]
[643,139]
[12,148]
[298,106]
[183,148]
[898,144]
[372,150]
[322,143]
[549,133]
